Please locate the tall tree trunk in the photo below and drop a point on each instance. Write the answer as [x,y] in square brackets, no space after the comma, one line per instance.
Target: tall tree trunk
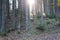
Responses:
[7,8]
[27,16]
[0,14]
[3,26]
[54,6]
[19,12]
[7,14]
[46,6]
[41,13]
[13,13]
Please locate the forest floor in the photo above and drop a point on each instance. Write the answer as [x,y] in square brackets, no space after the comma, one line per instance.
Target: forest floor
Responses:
[51,33]
[25,36]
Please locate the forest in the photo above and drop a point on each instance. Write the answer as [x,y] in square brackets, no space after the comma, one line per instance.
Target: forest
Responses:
[29,19]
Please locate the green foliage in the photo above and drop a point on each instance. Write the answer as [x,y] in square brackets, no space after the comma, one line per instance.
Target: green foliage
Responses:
[41,28]
[57,18]
[48,22]
[3,34]
[10,30]
[18,32]
[58,25]
[38,17]
[32,20]
[51,16]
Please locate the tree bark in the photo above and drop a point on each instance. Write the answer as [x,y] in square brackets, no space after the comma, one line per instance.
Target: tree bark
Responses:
[13,13]
[27,16]
[3,26]
[19,16]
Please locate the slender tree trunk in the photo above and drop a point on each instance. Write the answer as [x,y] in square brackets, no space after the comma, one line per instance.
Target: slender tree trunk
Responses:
[13,13]
[7,14]
[46,7]
[7,8]
[54,6]
[41,20]
[0,14]
[27,16]
[3,26]
[19,12]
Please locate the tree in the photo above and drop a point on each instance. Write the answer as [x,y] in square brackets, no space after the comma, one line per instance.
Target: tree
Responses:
[41,13]
[13,13]
[46,7]
[7,13]
[19,12]
[3,17]
[42,21]
[0,14]
[7,8]
[27,16]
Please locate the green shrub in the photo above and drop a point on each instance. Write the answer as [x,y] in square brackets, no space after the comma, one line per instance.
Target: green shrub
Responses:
[51,16]
[38,16]
[3,34]
[58,25]
[8,31]
[48,22]
[32,20]
[57,18]
[41,28]
[18,32]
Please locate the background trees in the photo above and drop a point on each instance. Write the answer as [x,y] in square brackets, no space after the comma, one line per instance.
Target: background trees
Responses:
[17,16]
